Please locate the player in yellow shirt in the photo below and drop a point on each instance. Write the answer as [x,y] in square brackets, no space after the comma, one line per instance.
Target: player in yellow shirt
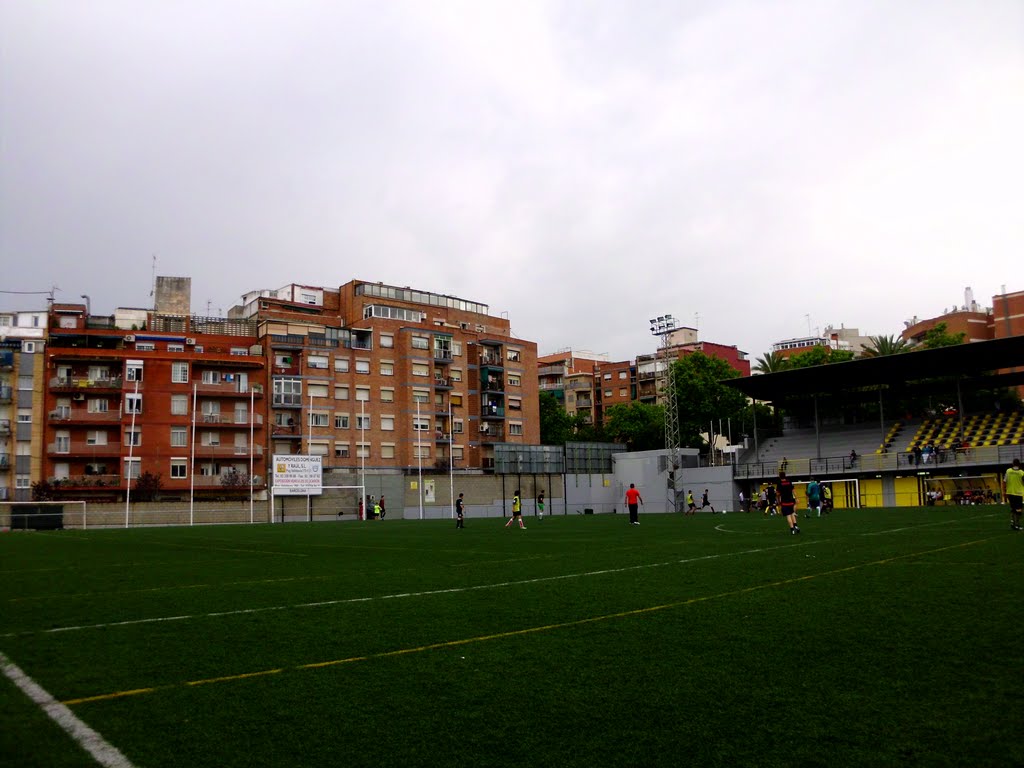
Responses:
[1013,492]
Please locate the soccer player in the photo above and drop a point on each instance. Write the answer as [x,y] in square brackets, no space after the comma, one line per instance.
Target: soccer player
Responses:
[517,511]
[705,503]
[460,508]
[633,501]
[540,505]
[691,505]
[813,498]
[788,502]
[1013,491]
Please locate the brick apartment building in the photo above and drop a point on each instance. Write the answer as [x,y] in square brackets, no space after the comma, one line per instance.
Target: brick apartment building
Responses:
[1004,318]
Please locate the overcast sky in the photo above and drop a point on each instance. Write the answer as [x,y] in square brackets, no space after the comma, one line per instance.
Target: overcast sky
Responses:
[755,168]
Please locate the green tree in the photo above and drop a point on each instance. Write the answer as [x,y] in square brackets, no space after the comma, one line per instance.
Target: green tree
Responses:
[883,346]
[701,398]
[147,487]
[937,337]
[641,427]
[556,426]
[773,362]
[819,355]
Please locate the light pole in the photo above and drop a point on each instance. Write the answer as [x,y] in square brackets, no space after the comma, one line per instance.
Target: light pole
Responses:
[663,326]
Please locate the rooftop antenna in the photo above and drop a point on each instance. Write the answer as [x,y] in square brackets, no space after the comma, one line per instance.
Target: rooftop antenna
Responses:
[152,290]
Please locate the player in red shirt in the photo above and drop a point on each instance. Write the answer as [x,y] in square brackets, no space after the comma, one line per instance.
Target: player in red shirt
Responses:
[633,501]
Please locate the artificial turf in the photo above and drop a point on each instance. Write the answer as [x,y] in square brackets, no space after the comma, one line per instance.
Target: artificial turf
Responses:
[874,637]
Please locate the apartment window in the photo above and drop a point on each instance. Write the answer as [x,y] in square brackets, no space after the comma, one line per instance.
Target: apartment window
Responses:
[308,298]
[210,438]
[363,422]
[456,401]
[179,437]
[420,424]
[421,395]
[341,450]
[341,365]
[341,392]
[420,342]
[387,423]
[316,390]
[421,451]
[287,391]
[24,417]
[512,355]
[607,393]
[318,361]
[26,383]
[387,450]
[133,403]
[132,469]
[175,347]
[387,341]
[132,372]
[456,348]
[457,453]
[98,405]
[283,361]
[362,394]
[362,366]
[514,381]
[179,373]
[318,449]
[179,405]
[363,450]
[455,374]
[420,369]
[239,352]
[457,426]
[622,392]
[515,429]
[133,437]
[95,437]
[179,469]
[341,421]
[515,404]
[318,419]
[387,395]
[387,369]
[211,377]
[23,481]
[607,376]
[145,346]
[622,374]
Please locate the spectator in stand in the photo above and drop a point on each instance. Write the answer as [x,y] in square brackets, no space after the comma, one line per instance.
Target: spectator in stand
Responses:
[853,457]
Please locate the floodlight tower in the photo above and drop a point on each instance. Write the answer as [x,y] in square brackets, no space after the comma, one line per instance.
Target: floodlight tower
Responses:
[663,326]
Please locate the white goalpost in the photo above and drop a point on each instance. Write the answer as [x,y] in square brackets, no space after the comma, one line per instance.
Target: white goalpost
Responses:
[335,502]
[43,515]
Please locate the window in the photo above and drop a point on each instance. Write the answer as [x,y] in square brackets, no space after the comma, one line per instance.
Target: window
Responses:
[455,374]
[421,395]
[133,372]
[513,355]
[95,437]
[175,347]
[132,469]
[607,376]
[456,401]
[317,419]
[420,369]
[622,374]
[283,361]
[420,342]
[26,383]
[316,390]
[179,469]
[387,423]
[98,405]
[318,449]
[515,404]
[133,403]
[387,341]
[457,452]
[318,361]
[341,392]
[387,450]
[514,381]
[363,450]
[420,424]
[210,438]
[23,481]
[456,349]
[341,450]
[457,426]
[133,437]
[387,394]
[421,451]
[622,391]
[308,298]
[515,429]
[363,422]
[387,369]
[341,365]
[179,373]
[362,366]
[607,393]
[341,421]
[145,346]
[179,405]
[211,377]
[101,372]
[287,391]
[362,394]
[239,351]
[179,437]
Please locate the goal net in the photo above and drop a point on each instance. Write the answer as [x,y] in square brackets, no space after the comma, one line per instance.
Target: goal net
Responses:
[43,515]
[335,502]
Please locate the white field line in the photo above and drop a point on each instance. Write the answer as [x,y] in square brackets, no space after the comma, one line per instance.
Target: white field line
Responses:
[400,595]
[92,742]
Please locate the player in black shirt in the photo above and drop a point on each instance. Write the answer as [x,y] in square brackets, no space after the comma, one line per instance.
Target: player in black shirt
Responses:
[788,502]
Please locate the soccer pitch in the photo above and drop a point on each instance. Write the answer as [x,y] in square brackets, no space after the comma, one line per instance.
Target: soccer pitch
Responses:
[874,637]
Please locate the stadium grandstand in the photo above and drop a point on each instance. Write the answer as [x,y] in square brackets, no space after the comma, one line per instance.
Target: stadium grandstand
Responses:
[922,427]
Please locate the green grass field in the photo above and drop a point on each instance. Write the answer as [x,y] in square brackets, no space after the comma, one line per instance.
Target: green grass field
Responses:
[876,637]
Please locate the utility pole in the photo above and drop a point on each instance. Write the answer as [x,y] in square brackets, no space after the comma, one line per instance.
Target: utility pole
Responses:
[663,326]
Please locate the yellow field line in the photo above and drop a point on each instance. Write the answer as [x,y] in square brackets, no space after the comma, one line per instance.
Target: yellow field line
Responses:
[530,630]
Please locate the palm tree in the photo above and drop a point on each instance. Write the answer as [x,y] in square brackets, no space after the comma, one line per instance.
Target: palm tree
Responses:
[773,362]
[882,346]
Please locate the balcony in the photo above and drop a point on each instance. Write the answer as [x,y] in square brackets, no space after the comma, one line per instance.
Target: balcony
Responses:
[86,481]
[287,401]
[492,361]
[442,437]
[493,412]
[6,394]
[492,433]
[6,360]
[228,450]
[440,383]
[443,356]
[78,383]
[5,462]
[231,419]
[228,388]
[84,416]
[5,426]
[83,448]
[492,386]
[584,402]
[286,431]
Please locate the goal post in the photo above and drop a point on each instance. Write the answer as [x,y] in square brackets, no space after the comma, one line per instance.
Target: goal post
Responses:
[43,515]
[334,502]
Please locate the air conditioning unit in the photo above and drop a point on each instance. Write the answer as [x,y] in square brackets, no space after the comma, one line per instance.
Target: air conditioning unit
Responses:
[190,341]
[79,397]
[130,337]
[483,427]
